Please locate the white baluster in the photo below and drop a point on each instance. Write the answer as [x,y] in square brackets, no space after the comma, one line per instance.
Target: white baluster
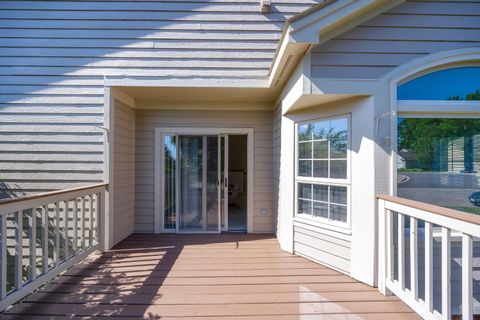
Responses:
[33,245]
[467,289]
[428,266]
[3,256]
[18,249]
[57,233]
[45,239]
[82,223]
[75,226]
[401,251]
[413,258]
[446,272]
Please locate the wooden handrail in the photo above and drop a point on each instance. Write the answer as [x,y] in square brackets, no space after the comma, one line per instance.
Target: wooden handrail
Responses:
[442,211]
[51,193]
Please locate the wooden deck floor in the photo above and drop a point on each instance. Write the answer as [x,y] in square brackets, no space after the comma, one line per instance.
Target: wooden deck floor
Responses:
[228,276]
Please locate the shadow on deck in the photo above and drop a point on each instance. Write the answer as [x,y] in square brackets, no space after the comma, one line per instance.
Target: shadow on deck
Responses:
[228,276]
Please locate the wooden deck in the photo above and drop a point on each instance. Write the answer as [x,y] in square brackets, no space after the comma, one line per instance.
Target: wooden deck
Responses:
[228,276]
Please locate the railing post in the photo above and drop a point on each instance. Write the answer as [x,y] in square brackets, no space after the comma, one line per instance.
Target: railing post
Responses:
[101,221]
[382,247]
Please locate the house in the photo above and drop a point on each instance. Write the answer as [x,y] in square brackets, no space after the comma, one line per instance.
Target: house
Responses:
[217,116]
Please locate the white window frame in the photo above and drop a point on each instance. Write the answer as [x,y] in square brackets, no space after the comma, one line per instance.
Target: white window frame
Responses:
[343,227]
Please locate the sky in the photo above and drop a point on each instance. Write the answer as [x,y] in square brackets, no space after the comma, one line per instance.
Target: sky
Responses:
[441,85]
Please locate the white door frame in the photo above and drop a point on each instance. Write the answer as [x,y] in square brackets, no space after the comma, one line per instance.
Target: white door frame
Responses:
[159,163]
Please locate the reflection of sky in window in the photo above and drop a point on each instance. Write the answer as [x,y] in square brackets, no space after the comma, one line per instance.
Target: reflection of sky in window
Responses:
[441,85]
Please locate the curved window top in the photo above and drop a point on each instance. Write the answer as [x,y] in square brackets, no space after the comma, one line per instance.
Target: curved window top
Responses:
[462,83]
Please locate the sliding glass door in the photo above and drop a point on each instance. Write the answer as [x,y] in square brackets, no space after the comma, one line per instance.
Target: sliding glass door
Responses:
[192,183]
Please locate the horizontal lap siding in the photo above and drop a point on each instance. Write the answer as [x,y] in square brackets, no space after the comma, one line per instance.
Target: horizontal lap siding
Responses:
[124,171]
[260,121]
[320,247]
[54,56]
[409,31]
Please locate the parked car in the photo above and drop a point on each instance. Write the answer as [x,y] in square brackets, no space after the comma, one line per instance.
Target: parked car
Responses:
[474,198]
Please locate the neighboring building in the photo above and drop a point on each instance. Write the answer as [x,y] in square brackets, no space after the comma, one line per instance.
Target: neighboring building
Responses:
[210,116]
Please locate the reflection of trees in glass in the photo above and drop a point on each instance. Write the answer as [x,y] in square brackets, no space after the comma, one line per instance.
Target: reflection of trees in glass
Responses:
[474,96]
[424,136]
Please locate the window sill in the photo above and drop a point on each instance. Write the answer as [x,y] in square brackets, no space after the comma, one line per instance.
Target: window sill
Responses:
[323,225]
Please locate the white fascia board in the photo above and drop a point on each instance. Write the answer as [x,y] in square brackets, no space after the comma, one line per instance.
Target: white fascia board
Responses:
[342,15]
[189,83]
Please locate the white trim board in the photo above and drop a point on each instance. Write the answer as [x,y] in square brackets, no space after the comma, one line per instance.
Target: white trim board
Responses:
[159,131]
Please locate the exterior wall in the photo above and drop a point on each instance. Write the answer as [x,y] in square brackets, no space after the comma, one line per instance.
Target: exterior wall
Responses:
[124,171]
[260,121]
[350,251]
[54,56]
[409,31]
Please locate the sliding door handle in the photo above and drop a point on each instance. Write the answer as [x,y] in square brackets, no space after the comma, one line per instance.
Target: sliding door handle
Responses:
[225,182]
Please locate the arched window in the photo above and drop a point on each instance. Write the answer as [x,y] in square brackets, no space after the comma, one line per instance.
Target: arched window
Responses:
[461,83]
[438,138]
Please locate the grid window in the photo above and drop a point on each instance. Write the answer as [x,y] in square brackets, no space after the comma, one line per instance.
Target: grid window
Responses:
[322,149]
[322,170]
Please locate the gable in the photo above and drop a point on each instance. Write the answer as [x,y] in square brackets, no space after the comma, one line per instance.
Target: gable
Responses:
[408,31]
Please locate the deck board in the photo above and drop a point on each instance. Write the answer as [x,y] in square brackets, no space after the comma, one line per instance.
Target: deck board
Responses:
[222,277]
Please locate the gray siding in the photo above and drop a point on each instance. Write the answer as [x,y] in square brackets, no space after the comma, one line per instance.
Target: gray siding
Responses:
[54,56]
[124,171]
[409,31]
[321,247]
[148,120]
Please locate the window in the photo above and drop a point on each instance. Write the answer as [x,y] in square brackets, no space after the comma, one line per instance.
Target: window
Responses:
[438,152]
[461,83]
[322,181]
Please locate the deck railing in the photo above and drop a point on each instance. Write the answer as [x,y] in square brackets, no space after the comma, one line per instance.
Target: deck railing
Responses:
[415,236]
[42,235]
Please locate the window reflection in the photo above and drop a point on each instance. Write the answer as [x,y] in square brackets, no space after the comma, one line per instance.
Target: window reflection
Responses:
[439,162]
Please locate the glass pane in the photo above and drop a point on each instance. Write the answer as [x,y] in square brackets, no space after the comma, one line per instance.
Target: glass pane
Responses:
[439,162]
[305,150]
[338,148]
[320,209]
[320,168]
[320,192]
[304,207]
[305,168]
[338,195]
[320,149]
[338,169]
[191,202]
[338,213]
[212,184]
[321,130]
[170,151]
[338,129]
[450,84]
[304,190]
[305,132]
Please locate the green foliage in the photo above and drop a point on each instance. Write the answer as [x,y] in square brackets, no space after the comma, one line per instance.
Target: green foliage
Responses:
[422,135]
